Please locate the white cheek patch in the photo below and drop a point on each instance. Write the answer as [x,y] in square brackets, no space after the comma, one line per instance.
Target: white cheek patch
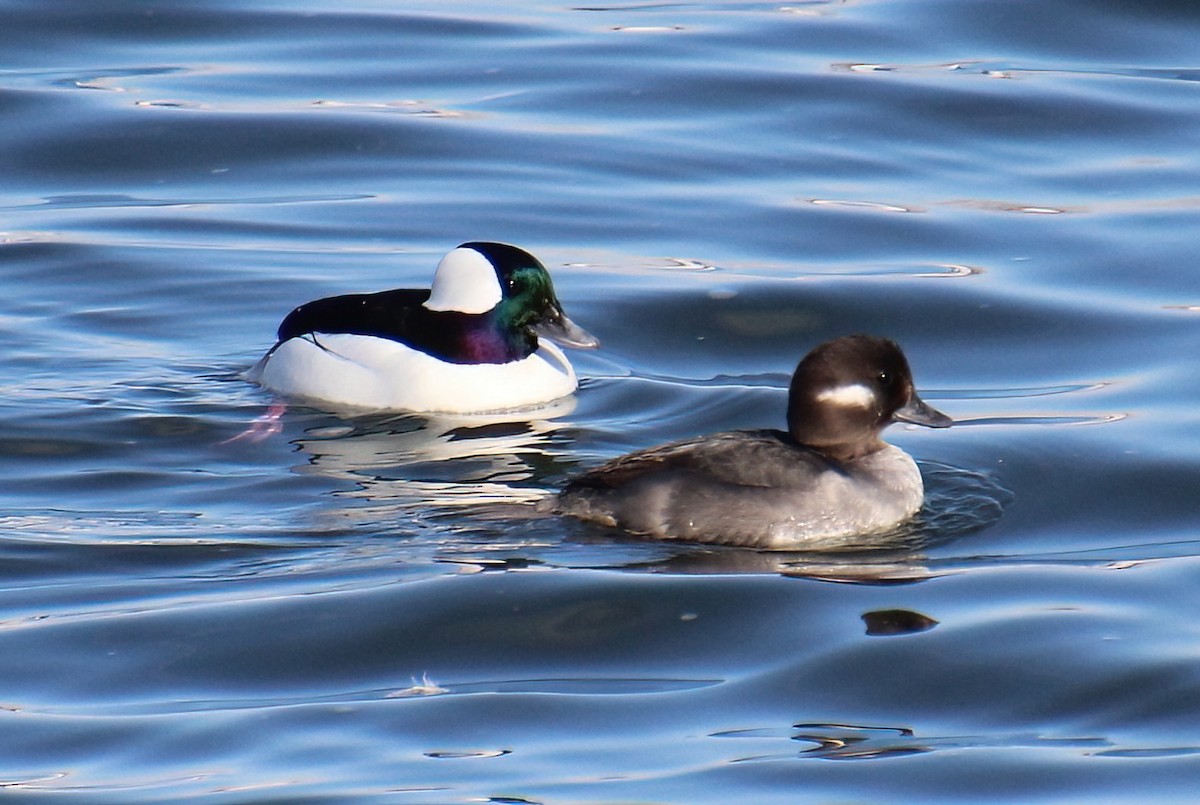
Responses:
[465,282]
[855,395]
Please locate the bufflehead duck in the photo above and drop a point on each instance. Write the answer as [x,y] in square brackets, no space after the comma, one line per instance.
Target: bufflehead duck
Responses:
[469,344]
[827,480]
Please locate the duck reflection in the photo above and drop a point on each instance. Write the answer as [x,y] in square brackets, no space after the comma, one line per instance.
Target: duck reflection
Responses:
[435,461]
[899,566]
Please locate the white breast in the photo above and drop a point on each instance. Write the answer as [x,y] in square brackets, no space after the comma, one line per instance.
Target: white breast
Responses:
[367,373]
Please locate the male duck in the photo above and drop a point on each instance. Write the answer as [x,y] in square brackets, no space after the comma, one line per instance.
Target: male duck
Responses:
[826,481]
[469,344]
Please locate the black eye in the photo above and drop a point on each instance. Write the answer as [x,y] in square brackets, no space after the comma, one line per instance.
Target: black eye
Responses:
[885,378]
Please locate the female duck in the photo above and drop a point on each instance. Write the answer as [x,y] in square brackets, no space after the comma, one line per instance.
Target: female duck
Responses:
[469,344]
[827,480]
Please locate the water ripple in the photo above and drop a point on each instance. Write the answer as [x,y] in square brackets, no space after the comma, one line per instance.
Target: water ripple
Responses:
[357,603]
[1014,70]
[855,742]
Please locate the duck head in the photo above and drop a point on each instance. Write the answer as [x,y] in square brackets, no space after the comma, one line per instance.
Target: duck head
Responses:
[846,391]
[479,277]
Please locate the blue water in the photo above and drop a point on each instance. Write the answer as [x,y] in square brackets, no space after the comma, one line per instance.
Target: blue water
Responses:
[363,610]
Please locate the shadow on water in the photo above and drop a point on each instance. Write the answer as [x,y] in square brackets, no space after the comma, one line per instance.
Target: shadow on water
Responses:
[861,742]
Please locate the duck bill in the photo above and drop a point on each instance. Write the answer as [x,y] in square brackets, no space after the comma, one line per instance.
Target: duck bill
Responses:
[917,412]
[561,330]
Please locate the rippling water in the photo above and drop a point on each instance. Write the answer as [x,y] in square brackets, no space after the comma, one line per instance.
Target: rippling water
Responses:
[364,610]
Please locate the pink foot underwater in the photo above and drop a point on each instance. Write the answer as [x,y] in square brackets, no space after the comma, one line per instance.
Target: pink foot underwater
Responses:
[263,427]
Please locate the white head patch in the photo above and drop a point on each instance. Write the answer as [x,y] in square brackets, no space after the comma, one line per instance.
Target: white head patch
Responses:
[466,282]
[854,395]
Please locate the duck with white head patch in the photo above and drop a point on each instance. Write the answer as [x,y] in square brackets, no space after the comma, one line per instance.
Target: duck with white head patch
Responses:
[469,344]
[822,485]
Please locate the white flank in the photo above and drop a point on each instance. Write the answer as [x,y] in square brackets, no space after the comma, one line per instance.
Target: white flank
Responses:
[466,282]
[361,372]
[854,395]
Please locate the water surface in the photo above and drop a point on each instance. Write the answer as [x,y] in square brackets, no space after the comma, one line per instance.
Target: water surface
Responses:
[361,609]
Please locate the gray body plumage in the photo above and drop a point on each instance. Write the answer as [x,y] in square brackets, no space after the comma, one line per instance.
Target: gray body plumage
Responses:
[755,489]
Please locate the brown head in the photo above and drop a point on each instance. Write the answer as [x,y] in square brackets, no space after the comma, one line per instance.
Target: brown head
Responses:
[846,391]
